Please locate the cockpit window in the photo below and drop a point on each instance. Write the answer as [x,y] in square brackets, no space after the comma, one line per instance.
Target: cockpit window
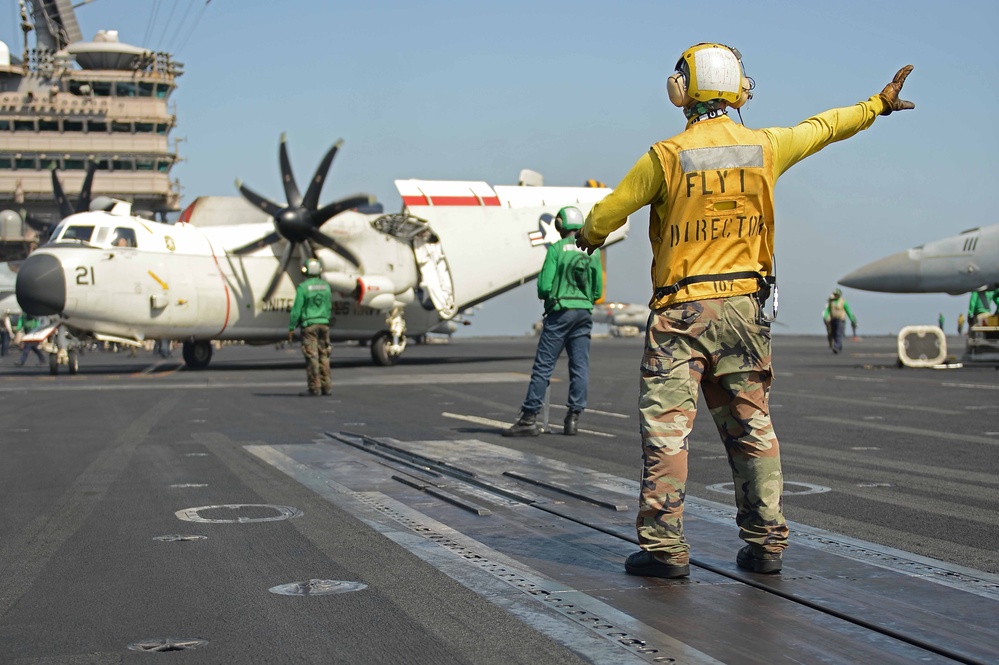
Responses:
[80,233]
[123,237]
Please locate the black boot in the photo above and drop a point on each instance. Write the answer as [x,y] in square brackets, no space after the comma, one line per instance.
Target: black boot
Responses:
[526,425]
[571,423]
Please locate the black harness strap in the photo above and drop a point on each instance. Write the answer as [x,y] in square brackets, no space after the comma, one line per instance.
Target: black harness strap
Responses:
[764,282]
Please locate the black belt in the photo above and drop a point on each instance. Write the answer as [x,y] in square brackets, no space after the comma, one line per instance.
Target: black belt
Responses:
[764,282]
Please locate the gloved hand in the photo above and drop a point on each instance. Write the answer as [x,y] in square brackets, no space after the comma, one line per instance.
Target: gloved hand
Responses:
[890,93]
[585,246]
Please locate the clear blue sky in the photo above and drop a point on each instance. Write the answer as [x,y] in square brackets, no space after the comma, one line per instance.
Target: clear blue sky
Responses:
[575,90]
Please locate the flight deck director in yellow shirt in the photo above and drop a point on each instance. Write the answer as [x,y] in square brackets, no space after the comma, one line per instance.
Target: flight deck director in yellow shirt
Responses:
[710,190]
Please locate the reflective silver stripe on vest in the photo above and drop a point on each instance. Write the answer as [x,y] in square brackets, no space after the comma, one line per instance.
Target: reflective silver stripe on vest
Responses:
[724,157]
[317,287]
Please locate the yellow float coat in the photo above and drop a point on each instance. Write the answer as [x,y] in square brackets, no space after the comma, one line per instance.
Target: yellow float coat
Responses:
[710,189]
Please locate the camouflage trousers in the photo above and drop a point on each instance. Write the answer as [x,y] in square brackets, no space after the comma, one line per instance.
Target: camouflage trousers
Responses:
[720,347]
[316,348]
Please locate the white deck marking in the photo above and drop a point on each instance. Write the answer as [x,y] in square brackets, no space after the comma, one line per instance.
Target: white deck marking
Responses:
[967,438]
[489,422]
[387,380]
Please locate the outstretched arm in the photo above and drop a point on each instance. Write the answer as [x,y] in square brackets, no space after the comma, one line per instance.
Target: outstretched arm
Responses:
[792,144]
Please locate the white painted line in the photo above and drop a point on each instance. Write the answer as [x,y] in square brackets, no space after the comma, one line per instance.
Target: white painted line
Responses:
[859,378]
[973,386]
[156,382]
[898,429]
[595,411]
[489,422]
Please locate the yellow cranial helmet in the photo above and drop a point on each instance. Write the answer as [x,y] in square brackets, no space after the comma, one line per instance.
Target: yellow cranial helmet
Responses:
[709,71]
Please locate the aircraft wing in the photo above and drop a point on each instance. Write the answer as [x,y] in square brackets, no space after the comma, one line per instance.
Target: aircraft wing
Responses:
[966,262]
[494,238]
[222,211]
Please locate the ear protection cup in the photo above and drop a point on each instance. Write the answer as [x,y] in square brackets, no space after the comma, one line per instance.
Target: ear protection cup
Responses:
[676,88]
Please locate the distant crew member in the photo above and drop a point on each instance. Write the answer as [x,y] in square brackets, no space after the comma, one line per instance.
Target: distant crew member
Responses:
[710,191]
[569,282]
[960,323]
[834,316]
[26,325]
[979,308]
[6,333]
[311,311]
[940,320]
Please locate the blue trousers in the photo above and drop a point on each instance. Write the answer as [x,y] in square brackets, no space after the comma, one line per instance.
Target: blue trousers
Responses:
[28,348]
[568,329]
[838,330]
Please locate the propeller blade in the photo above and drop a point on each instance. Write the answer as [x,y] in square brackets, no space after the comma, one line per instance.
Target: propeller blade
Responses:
[43,228]
[311,200]
[321,238]
[285,260]
[264,204]
[65,209]
[257,244]
[83,203]
[290,188]
[323,215]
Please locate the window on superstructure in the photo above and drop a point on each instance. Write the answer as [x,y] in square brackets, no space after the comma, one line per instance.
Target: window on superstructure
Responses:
[144,128]
[24,125]
[74,164]
[81,88]
[122,165]
[161,128]
[145,89]
[163,166]
[101,88]
[72,125]
[24,162]
[94,126]
[48,125]
[6,162]
[125,89]
[48,163]
[4,125]
[144,164]
[102,165]
[120,127]
[162,90]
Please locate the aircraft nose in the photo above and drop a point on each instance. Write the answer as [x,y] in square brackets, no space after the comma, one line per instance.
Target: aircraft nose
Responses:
[898,273]
[41,285]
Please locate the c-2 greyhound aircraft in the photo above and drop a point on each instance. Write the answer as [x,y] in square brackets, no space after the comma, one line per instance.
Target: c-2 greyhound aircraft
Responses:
[227,270]
[966,262]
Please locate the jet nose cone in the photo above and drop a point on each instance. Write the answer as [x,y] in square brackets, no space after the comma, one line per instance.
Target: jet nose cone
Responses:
[41,285]
[898,273]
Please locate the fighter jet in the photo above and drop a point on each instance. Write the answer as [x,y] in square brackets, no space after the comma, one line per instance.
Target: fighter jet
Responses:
[966,262]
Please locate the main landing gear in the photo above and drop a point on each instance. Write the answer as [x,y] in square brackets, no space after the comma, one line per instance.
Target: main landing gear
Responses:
[197,353]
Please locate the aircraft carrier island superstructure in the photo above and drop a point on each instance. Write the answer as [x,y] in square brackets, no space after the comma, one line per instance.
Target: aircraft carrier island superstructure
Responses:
[69,103]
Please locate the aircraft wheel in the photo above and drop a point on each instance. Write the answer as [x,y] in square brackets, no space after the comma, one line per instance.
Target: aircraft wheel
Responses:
[197,354]
[53,363]
[74,362]
[379,350]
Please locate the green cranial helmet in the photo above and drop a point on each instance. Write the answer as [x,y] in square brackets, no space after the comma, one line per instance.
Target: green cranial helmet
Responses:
[837,293]
[312,267]
[568,219]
